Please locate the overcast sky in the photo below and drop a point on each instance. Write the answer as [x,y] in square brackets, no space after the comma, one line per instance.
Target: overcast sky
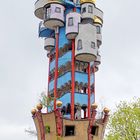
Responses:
[24,66]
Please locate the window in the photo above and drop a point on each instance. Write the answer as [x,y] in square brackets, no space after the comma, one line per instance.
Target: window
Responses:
[94,130]
[79,45]
[69,130]
[47,12]
[98,29]
[70,21]
[58,10]
[90,9]
[84,10]
[77,2]
[93,45]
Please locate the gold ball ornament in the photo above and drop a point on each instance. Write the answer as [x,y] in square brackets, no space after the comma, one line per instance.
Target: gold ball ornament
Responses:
[58,103]
[33,111]
[39,106]
[94,106]
[106,110]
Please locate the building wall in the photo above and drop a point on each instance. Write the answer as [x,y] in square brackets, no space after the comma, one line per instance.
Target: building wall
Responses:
[49,120]
[87,33]
[80,130]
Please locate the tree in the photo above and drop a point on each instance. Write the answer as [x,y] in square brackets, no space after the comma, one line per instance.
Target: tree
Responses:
[46,101]
[124,123]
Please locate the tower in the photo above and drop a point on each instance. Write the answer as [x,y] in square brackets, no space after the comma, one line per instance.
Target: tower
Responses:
[72,36]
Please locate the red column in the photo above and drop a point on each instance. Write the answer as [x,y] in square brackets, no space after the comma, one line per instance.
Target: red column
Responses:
[56,67]
[94,83]
[48,82]
[73,76]
[89,90]
[73,79]
[48,76]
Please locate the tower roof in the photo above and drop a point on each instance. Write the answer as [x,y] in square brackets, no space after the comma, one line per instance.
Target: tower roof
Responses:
[91,1]
[97,20]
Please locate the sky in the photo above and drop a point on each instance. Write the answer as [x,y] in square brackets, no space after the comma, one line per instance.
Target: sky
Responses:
[24,65]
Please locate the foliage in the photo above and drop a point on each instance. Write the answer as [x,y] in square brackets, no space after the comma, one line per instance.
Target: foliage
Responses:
[47,129]
[46,101]
[124,123]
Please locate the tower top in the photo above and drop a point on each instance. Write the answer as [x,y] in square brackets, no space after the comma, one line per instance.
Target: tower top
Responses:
[84,1]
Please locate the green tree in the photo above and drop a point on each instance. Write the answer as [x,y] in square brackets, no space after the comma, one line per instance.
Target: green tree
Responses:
[46,101]
[124,123]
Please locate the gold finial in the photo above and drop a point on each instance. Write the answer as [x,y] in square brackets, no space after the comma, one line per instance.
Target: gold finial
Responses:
[91,1]
[106,110]
[39,106]
[59,103]
[97,20]
[33,111]
[94,106]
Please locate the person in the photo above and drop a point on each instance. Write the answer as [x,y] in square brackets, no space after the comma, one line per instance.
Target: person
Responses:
[78,112]
[63,110]
[82,113]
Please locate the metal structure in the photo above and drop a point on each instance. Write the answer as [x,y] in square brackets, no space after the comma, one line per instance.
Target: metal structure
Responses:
[72,36]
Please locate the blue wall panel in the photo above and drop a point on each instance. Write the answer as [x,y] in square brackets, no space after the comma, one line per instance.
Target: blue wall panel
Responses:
[51,85]
[81,77]
[63,79]
[52,65]
[61,61]
[62,37]
[64,59]
[79,98]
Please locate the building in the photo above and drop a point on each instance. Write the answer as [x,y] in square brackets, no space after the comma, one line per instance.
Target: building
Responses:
[72,39]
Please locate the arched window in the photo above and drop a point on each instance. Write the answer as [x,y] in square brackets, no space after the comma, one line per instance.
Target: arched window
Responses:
[93,45]
[98,28]
[79,45]
[90,9]
[47,13]
[70,21]
[58,10]
[83,9]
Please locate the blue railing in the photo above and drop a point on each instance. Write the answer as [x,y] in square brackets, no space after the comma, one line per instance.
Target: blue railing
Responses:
[79,76]
[61,61]
[52,65]
[43,31]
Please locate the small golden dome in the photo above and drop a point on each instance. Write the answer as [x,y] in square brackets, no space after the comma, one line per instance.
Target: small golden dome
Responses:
[97,20]
[39,106]
[33,111]
[91,1]
[94,106]
[106,110]
[59,103]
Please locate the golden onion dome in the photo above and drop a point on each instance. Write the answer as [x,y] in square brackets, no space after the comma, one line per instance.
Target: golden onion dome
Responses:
[59,103]
[86,1]
[94,106]
[106,110]
[39,106]
[33,111]
[97,20]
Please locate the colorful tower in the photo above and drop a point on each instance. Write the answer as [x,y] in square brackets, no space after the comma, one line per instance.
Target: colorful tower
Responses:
[72,36]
